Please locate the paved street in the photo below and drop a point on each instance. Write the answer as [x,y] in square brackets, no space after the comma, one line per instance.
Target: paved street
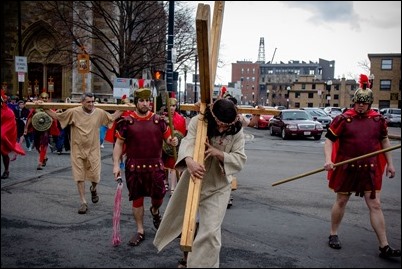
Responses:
[40,226]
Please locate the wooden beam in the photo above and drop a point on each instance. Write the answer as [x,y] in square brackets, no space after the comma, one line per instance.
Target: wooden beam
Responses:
[49,105]
[208,58]
[244,110]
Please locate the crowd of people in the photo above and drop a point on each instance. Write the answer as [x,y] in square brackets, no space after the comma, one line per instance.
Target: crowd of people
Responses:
[153,160]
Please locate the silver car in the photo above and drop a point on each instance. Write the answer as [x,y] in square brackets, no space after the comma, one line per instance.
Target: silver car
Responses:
[333,111]
[392,116]
[319,115]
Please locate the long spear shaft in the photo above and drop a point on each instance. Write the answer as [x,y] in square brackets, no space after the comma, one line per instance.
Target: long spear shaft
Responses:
[336,164]
[171,126]
[49,105]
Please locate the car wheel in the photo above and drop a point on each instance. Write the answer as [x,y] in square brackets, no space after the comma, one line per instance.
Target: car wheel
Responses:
[283,134]
[271,131]
[317,137]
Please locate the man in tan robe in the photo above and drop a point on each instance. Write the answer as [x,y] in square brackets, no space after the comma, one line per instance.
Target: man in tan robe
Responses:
[85,122]
[224,156]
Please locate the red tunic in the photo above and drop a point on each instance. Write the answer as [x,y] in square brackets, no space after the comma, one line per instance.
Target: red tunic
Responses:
[144,170]
[356,135]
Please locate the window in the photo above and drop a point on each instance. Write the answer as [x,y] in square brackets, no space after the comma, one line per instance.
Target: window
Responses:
[310,95]
[303,86]
[383,103]
[386,64]
[297,94]
[336,97]
[385,85]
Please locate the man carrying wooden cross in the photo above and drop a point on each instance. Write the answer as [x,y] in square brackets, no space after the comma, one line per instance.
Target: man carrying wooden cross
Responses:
[224,156]
[212,150]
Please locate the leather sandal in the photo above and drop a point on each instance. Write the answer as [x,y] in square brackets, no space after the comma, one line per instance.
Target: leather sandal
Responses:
[83,209]
[94,195]
[157,218]
[5,175]
[388,252]
[334,242]
[136,240]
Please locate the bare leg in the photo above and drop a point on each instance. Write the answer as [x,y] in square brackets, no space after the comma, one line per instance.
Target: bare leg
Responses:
[377,218]
[338,210]
[81,191]
[138,214]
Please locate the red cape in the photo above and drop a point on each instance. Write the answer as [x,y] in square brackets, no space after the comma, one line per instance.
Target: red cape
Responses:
[9,132]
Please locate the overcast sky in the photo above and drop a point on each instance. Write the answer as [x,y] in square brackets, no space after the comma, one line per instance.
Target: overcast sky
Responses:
[345,32]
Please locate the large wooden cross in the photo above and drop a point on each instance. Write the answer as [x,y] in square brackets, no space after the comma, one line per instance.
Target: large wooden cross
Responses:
[208,51]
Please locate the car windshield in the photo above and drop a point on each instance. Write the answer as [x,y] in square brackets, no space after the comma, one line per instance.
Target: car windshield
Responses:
[317,112]
[295,115]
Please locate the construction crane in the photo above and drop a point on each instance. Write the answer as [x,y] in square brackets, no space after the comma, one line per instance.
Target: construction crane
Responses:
[273,55]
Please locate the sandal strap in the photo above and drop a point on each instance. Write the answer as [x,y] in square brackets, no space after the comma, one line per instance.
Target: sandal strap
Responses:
[387,251]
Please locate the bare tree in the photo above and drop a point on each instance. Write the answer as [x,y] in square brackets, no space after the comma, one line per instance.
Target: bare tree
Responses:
[123,38]
[364,64]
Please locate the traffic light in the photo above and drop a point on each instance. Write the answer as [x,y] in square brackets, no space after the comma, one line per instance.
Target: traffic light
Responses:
[159,75]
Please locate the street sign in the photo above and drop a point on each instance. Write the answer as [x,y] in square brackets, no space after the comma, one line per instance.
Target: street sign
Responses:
[21,64]
[121,86]
[21,77]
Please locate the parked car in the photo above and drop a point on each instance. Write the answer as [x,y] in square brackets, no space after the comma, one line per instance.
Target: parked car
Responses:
[246,115]
[295,123]
[333,111]
[280,107]
[263,120]
[319,114]
[392,116]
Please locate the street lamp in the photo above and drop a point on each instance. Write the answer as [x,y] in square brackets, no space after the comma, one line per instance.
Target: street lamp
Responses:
[178,106]
[253,98]
[287,99]
[195,79]
[185,83]
[371,80]
[267,97]
[329,84]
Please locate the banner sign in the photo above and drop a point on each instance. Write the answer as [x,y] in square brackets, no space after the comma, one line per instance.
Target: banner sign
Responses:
[121,86]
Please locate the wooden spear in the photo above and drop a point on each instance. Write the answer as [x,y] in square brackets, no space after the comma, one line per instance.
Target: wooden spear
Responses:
[336,164]
[171,126]
[49,105]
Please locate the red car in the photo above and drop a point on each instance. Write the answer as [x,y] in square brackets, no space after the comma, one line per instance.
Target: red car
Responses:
[263,121]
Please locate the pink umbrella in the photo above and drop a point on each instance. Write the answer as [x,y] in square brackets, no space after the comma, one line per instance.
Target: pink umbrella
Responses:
[116,240]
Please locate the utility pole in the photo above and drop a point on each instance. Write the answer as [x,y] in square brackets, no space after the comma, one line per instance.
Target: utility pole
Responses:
[20,84]
[169,67]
